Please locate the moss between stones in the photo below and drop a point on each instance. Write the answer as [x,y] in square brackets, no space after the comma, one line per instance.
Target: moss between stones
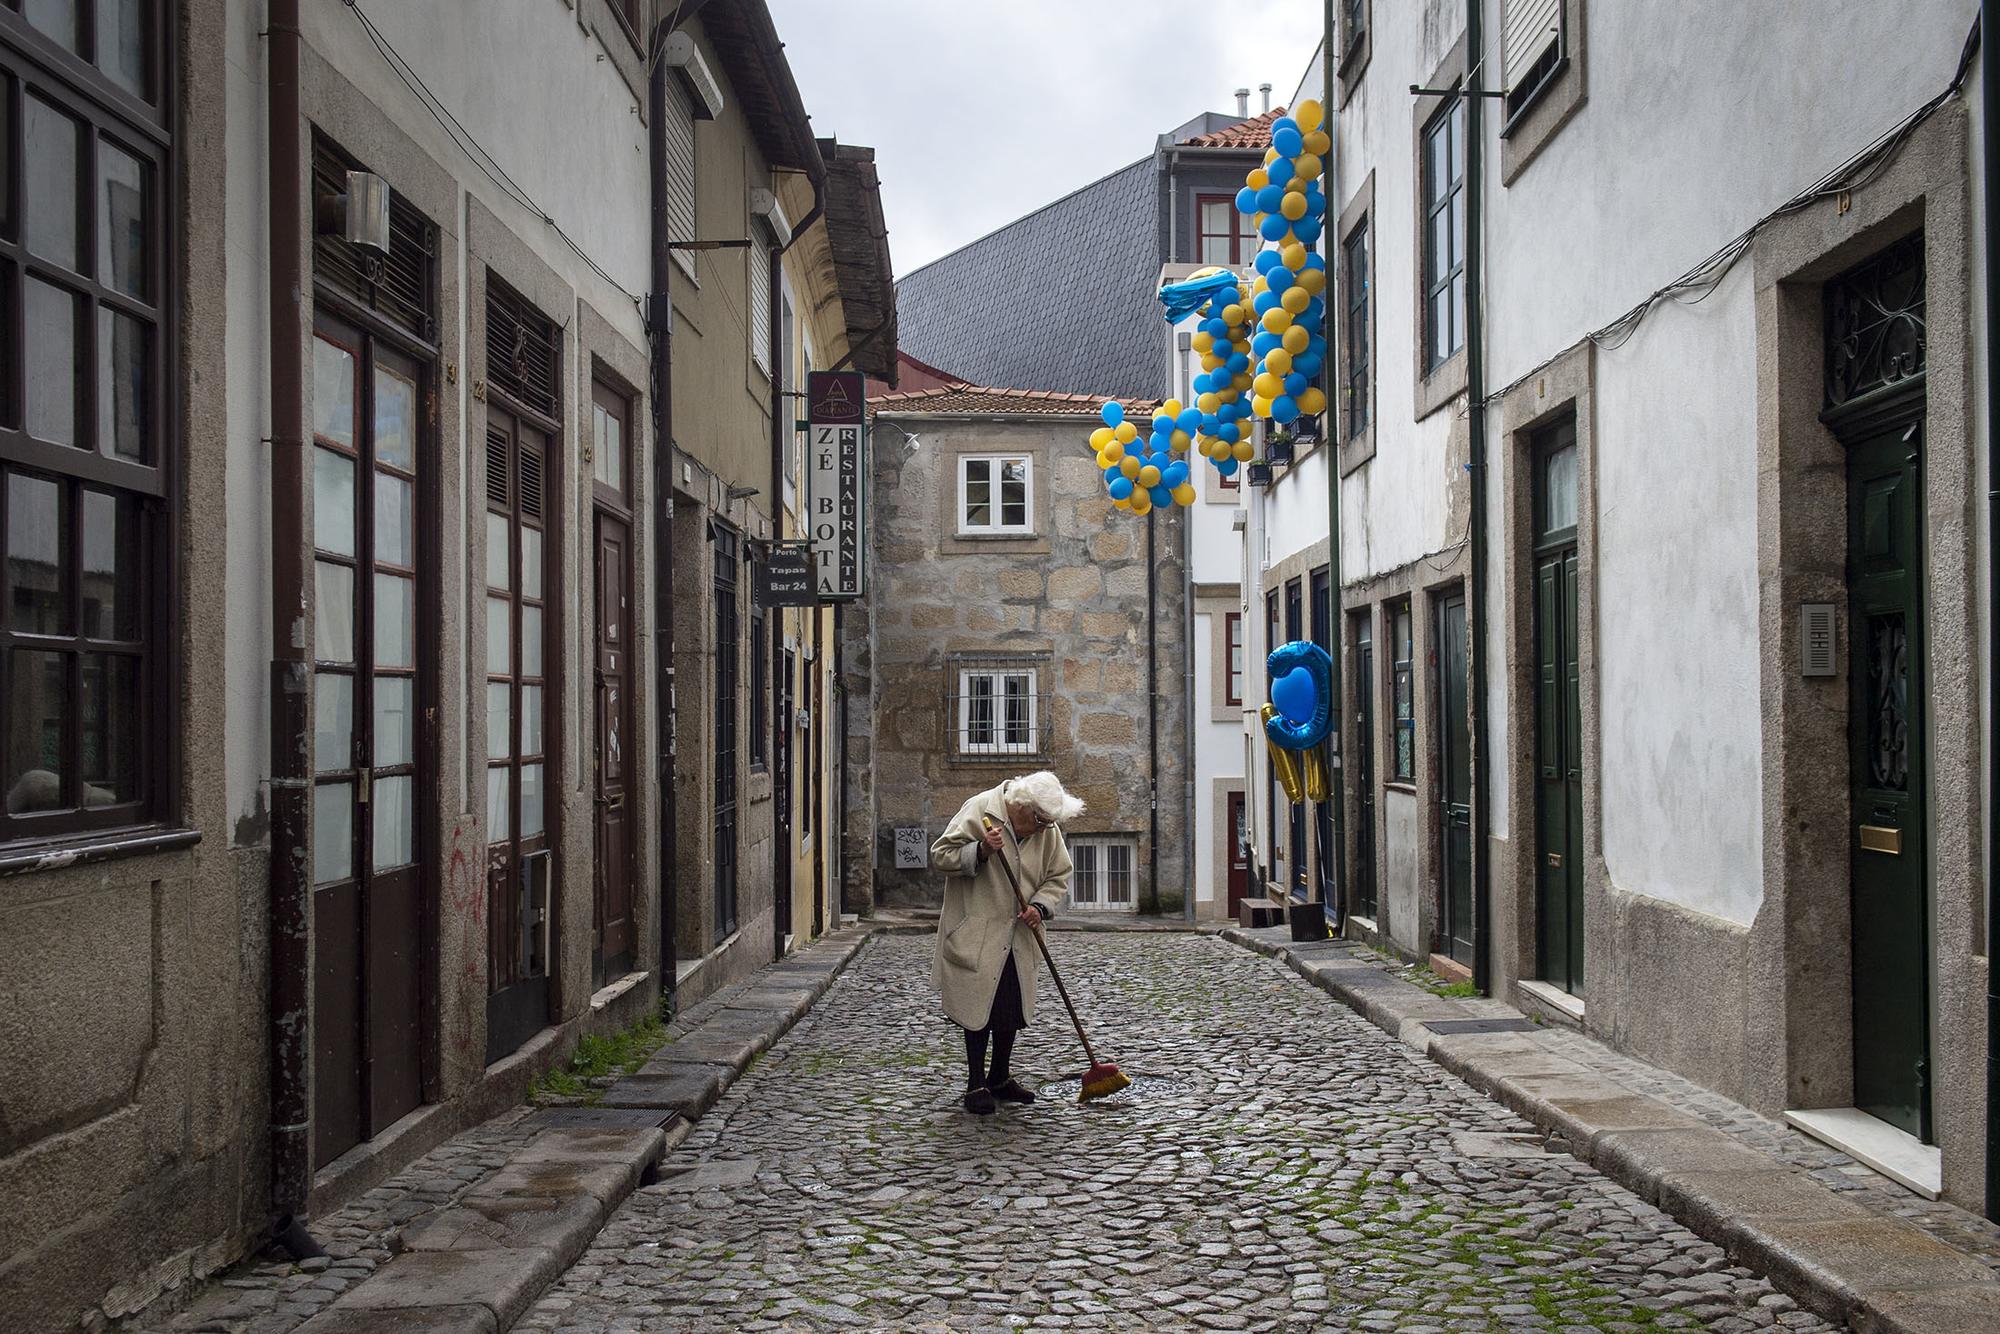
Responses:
[597,1059]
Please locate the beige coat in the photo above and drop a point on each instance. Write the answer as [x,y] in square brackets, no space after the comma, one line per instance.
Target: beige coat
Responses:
[977,926]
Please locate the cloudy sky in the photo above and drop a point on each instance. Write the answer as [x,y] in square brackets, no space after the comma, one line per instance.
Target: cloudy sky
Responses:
[981,110]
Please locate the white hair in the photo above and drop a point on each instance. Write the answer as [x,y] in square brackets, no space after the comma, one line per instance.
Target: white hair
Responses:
[1043,794]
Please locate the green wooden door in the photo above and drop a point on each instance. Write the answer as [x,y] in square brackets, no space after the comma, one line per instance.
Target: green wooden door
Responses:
[1455,770]
[1887,772]
[1364,770]
[1558,716]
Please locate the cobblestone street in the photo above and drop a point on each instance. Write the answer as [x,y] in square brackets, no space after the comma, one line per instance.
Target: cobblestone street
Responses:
[1280,1164]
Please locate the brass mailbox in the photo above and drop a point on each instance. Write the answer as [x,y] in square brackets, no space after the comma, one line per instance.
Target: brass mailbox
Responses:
[1880,838]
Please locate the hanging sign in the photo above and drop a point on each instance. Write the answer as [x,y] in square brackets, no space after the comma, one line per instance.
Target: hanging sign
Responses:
[785,576]
[834,421]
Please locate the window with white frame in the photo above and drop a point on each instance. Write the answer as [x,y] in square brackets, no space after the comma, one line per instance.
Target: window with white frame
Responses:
[996,493]
[1103,878]
[997,711]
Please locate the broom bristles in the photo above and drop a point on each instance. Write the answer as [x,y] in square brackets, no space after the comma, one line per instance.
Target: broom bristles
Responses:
[1101,1081]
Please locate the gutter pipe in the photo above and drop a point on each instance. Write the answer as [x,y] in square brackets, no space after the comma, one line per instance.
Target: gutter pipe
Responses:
[1475,397]
[1336,633]
[659,330]
[1989,170]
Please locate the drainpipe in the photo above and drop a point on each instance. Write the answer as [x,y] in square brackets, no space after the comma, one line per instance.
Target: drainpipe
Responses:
[1337,631]
[1989,166]
[1475,397]
[659,330]
[783,415]
[291,653]
[1152,717]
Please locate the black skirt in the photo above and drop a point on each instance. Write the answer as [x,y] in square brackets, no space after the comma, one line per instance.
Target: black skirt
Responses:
[1006,1016]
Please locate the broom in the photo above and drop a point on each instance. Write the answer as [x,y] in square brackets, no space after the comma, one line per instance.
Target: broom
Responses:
[1103,1078]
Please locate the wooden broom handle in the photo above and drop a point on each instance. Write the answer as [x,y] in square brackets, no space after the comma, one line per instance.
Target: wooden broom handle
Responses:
[1061,990]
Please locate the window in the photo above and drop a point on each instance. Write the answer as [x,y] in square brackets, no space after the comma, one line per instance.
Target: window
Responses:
[723,543]
[1224,236]
[1233,638]
[1444,234]
[610,459]
[806,721]
[628,14]
[1404,768]
[677,134]
[995,494]
[1532,50]
[1354,276]
[87,442]
[1103,875]
[788,380]
[1353,45]
[760,295]
[760,672]
[996,712]
[1271,641]
[1295,616]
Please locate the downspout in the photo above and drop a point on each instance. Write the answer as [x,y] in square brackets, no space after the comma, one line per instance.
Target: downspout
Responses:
[1475,397]
[659,330]
[1152,717]
[1989,169]
[1337,631]
[291,653]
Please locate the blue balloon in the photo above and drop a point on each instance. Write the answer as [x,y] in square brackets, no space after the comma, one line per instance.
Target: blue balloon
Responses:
[1160,458]
[1162,424]
[1175,473]
[1162,496]
[1112,412]
[1227,467]
[1306,229]
[1263,302]
[1315,260]
[1266,260]
[1279,279]
[1201,384]
[1315,311]
[1280,172]
[1275,226]
[1270,197]
[1284,123]
[1189,419]
[1238,363]
[1229,431]
[1307,364]
[1317,346]
[1246,200]
[1295,384]
[1122,489]
[1315,206]
[1283,410]
[1296,694]
[1288,141]
[1210,425]
[1112,473]
[1215,328]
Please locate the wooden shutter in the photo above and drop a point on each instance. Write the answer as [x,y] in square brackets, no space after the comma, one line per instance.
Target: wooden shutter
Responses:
[1529,28]
[678,133]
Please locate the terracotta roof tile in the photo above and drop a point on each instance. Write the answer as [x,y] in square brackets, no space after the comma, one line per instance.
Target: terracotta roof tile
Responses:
[1252,133]
[980,400]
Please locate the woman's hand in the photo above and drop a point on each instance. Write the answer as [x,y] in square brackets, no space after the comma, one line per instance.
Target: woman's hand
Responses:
[991,841]
[1031,914]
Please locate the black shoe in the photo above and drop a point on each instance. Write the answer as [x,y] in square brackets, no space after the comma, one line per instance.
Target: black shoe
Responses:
[1011,1090]
[980,1102]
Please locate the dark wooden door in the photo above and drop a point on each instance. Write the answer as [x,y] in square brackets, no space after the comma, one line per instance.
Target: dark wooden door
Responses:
[1239,852]
[369,761]
[1886,720]
[1364,769]
[1558,716]
[612,894]
[1455,776]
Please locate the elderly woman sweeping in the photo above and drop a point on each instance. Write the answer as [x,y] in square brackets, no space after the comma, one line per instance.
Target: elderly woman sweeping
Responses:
[985,967]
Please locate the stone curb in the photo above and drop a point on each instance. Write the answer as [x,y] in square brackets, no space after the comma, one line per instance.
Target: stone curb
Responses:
[477,1266]
[1879,1274]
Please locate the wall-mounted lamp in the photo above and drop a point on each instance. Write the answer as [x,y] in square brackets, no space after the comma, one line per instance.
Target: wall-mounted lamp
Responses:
[358,215]
[741,492]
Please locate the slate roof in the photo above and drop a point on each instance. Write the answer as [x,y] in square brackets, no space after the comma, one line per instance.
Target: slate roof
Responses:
[978,400]
[1252,133]
[1063,299]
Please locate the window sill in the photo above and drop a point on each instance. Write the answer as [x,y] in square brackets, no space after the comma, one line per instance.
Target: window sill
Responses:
[996,535]
[1442,383]
[1404,785]
[54,854]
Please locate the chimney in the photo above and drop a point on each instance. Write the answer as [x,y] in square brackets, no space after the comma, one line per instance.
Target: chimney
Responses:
[1243,104]
[1265,89]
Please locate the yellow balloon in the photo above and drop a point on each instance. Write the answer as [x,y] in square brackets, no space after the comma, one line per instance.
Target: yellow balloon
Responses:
[1270,156]
[1294,206]
[1295,299]
[1244,451]
[1308,166]
[1277,319]
[1126,433]
[1172,407]
[1297,339]
[1130,465]
[1260,286]
[1208,403]
[1313,280]
[1317,143]
[1261,406]
[1230,395]
[1184,494]
[1293,256]
[1149,477]
[1257,179]
[1308,114]
[1311,400]
[1295,186]
[1112,453]
[1141,502]
[1100,437]
[1123,504]
[1278,362]
[1242,381]
[1202,341]
[1178,439]
[1209,361]
[1269,386]
[1232,315]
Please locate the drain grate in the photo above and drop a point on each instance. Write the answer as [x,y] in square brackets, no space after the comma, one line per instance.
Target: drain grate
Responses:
[1443,1026]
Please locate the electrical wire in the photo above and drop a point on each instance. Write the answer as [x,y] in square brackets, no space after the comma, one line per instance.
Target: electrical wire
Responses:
[1699,283]
[484,160]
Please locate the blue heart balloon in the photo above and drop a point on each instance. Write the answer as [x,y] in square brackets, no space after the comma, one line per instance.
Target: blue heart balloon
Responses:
[1295,695]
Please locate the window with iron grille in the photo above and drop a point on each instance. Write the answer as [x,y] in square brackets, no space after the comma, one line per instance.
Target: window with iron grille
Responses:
[1354,274]
[996,494]
[521,349]
[724,542]
[400,286]
[994,705]
[1104,877]
[88,436]
[1444,233]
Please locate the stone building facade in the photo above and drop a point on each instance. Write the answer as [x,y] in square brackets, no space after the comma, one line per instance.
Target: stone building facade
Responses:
[980,654]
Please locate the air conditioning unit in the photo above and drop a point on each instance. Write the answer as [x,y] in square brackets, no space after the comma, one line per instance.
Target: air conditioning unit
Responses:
[679,52]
